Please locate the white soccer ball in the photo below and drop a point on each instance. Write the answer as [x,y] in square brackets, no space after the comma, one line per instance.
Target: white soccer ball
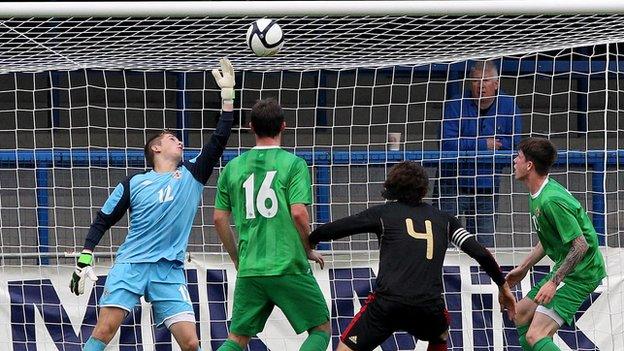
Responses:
[265,37]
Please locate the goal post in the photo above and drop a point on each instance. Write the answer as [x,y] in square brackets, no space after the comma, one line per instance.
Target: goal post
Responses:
[84,85]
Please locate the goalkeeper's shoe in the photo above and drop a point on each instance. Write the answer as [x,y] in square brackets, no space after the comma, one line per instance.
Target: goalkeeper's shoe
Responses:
[84,270]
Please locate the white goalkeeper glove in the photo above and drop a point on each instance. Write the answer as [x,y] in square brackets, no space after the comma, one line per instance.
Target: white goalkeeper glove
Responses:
[84,269]
[225,79]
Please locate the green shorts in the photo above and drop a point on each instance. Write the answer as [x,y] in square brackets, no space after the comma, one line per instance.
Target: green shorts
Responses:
[568,298]
[298,296]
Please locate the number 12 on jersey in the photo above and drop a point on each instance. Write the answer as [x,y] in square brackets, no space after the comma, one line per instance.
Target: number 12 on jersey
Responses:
[264,193]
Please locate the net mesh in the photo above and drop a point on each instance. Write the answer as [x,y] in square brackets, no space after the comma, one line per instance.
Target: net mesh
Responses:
[79,98]
[38,44]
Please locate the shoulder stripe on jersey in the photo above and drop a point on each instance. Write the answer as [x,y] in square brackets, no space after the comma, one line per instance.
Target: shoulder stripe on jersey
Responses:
[460,236]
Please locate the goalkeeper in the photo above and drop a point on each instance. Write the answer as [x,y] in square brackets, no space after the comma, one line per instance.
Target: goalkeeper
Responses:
[162,204]
[567,236]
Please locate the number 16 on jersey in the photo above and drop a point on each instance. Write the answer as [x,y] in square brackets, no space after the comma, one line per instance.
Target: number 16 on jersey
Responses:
[264,193]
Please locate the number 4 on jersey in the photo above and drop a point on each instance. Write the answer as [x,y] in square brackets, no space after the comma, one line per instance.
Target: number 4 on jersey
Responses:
[264,193]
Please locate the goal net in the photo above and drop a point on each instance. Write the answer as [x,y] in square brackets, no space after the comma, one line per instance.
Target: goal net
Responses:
[80,95]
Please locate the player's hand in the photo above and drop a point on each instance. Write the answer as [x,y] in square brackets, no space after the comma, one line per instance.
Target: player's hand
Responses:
[84,270]
[225,79]
[515,276]
[507,301]
[316,257]
[546,293]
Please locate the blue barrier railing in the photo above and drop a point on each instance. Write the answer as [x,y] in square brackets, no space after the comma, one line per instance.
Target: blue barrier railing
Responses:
[322,160]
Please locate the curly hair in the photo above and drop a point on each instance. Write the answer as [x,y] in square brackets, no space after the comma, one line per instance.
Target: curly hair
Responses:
[407,182]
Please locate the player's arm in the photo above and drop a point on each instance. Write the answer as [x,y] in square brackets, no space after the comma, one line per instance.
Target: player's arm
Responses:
[461,238]
[114,208]
[517,274]
[201,166]
[577,251]
[221,215]
[367,221]
[301,218]
[570,231]
[467,242]
[226,234]
[564,219]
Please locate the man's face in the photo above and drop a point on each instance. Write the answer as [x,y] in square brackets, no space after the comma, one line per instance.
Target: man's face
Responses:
[170,147]
[483,85]
[521,165]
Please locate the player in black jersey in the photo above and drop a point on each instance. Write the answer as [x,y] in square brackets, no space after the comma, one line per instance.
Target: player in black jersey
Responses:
[413,238]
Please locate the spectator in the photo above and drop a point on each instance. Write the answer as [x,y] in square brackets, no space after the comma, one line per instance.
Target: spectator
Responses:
[483,119]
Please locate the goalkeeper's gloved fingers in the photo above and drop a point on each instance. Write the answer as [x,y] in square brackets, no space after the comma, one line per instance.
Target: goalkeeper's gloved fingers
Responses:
[225,79]
[79,277]
[84,269]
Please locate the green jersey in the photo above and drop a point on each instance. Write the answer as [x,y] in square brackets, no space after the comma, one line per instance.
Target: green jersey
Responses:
[258,187]
[559,218]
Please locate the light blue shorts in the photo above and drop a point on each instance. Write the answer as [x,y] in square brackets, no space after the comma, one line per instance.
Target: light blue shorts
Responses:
[162,283]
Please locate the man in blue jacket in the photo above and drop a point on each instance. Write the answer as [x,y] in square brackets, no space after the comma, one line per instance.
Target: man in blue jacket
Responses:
[483,120]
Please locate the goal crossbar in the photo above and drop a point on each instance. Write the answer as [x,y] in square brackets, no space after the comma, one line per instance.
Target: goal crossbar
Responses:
[303,8]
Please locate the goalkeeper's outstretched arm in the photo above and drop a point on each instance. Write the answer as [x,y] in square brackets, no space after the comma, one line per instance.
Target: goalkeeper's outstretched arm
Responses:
[202,166]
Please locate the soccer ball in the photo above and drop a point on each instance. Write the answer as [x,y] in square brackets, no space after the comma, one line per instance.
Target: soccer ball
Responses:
[265,37]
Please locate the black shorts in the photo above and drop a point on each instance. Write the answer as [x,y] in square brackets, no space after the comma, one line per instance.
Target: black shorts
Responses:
[380,317]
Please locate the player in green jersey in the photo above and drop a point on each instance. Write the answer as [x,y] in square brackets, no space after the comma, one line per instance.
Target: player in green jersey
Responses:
[267,189]
[567,236]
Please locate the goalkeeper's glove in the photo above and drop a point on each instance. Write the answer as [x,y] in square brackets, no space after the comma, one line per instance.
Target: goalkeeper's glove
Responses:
[225,79]
[84,270]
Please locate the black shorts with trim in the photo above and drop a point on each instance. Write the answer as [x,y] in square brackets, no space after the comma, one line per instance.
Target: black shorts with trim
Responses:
[380,317]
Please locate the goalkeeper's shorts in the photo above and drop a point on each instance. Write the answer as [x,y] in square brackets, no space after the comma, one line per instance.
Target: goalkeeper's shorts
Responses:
[162,283]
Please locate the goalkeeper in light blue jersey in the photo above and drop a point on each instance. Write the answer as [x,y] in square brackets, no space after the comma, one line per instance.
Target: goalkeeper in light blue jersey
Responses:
[162,203]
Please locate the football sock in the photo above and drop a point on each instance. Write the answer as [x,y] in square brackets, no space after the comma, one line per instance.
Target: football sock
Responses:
[522,330]
[230,345]
[317,341]
[545,344]
[94,344]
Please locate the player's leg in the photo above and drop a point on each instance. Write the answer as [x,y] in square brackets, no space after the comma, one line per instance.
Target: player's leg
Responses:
[561,309]
[123,288]
[171,302]
[431,325]
[185,334]
[369,327]
[542,329]
[252,308]
[235,343]
[525,309]
[303,303]
[109,320]
[318,338]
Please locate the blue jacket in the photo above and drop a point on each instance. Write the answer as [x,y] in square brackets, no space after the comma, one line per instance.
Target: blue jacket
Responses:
[465,129]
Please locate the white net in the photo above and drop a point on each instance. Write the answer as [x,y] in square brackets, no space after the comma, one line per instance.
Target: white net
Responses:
[79,97]
[38,44]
